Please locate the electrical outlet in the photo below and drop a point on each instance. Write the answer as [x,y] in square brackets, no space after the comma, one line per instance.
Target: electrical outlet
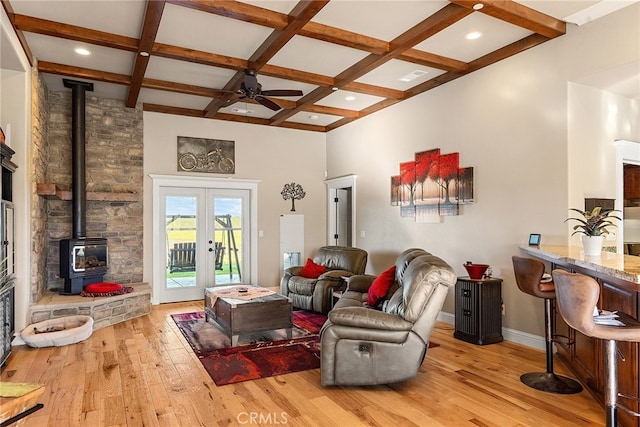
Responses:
[503,310]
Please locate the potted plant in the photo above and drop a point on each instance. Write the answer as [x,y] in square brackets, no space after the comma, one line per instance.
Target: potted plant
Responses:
[593,226]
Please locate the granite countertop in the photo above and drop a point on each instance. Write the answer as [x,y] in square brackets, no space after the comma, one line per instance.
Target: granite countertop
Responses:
[625,267]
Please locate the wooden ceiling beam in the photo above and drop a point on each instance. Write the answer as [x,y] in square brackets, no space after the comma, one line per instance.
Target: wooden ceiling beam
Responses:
[187,89]
[520,15]
[198,57]
[151,23]
[432,60]
[83,73]
[237,10]
[75,33]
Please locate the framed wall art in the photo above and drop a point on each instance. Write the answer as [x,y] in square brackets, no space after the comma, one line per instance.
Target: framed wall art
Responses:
[206,155]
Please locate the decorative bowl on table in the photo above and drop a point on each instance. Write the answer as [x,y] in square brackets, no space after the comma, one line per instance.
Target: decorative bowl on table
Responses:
[476,271]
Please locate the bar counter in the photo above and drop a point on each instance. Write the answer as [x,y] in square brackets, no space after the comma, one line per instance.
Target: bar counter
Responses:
[619,279]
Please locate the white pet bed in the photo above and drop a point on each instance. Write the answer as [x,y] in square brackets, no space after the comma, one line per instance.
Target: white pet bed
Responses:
[75,329]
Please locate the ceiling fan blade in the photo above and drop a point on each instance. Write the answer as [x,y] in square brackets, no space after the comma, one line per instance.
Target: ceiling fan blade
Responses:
[267,103]
[281,92]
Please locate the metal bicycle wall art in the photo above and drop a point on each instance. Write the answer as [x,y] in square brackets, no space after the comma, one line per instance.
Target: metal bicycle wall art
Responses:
[206,155]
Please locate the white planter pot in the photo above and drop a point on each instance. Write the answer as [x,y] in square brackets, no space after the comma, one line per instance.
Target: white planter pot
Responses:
[592,245]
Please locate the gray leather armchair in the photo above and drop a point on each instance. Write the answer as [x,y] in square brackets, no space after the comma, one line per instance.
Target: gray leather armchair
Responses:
[364,346]
[316,294]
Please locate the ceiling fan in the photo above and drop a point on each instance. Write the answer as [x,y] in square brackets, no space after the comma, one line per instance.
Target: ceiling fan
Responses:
[251,89]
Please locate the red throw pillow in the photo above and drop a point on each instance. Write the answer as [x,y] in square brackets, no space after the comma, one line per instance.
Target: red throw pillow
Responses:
[380,286]
[311,270]
[102,288]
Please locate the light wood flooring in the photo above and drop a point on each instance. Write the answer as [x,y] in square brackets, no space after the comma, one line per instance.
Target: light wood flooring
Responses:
[143,373]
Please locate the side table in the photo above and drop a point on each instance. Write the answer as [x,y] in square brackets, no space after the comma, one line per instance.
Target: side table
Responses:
[478,310]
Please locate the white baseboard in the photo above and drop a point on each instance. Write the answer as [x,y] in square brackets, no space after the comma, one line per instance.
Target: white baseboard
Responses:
[518,337]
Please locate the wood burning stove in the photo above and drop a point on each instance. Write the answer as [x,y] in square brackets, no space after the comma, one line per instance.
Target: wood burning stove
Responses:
[83,260]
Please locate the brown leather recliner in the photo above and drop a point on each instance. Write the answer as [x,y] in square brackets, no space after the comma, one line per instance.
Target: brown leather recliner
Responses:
[316,294]
[364,346]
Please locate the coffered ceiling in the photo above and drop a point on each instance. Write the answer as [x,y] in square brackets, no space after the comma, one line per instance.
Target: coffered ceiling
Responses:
[349,58]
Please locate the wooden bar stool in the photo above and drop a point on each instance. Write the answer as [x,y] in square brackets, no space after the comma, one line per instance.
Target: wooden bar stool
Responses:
[577,298]
[528,272]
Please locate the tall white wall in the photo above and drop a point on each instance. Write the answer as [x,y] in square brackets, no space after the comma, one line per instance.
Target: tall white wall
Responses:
[510,123]
[275,156]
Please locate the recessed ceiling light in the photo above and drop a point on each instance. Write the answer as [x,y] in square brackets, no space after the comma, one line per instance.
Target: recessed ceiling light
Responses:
[143,53]
[413,75]
[478,6]
[473,35]
[334,88]
[82,51]
[314,117]
[350,98]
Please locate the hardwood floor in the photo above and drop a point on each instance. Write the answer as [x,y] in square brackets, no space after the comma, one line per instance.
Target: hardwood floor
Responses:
[143,373]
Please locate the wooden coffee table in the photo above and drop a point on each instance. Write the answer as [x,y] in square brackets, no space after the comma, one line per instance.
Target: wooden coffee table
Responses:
[237,316]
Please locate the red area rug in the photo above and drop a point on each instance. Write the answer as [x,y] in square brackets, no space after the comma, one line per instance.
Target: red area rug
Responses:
[260,355]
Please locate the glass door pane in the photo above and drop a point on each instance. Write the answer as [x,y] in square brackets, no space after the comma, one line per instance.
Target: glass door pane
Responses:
[229,237]
[181,238]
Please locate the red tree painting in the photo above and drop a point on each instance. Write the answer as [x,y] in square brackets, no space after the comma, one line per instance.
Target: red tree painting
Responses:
[408,179]
[449,166]
[427,168]
[432,186]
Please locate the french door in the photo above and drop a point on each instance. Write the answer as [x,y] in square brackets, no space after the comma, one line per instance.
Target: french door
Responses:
[203,240]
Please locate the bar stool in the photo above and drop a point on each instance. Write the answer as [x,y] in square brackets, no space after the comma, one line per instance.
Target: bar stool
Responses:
[528,272]
[577,298]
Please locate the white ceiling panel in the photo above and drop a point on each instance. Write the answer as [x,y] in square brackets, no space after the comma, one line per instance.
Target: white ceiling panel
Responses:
[161,97]
[281,6]
[252,110]
[188,72]
[314,118]
[452,41]
[61,51]
[384,20]
[184,27]
[389,75]
[118,17]
[311,55]
[338,99]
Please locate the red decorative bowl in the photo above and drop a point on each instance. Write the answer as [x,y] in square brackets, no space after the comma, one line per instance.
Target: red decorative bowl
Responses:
[476,271]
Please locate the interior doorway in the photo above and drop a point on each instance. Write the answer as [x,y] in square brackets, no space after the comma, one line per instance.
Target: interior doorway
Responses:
[341,211]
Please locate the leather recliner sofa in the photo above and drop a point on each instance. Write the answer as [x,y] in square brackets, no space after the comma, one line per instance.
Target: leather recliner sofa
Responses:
[361,345]
[316,293]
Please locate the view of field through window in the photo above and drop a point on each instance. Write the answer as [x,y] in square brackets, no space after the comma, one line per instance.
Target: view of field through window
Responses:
[224,238]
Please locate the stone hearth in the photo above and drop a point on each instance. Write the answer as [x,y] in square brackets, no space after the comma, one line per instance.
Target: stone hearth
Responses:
[105,311]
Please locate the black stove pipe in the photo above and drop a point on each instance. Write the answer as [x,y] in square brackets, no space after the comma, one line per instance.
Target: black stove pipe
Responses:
[78,173]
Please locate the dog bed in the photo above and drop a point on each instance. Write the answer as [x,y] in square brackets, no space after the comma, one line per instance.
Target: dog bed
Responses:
[58,332]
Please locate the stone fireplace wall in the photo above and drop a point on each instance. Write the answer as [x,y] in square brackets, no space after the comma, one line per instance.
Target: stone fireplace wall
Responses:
[39,160]
[114,165]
